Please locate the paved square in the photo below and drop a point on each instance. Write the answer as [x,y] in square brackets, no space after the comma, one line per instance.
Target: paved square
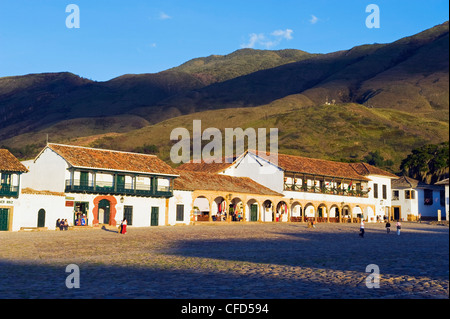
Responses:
[249,261]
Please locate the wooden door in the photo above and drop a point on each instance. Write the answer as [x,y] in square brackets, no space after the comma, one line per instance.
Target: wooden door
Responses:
[4,219]
[154,216]
[104,205]
[41,218]
[254,213]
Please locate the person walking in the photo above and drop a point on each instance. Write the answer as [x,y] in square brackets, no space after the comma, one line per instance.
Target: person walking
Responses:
[124,226]
[361,229]
[388,227]
[399,227]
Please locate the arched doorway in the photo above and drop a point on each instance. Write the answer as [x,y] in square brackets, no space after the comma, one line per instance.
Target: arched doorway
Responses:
[253,208]
[281,212]
[322,213]
[219,209]
[334,214]
[41,218]
[201,209]
[236,210]
[268,211]
[104,211]
[310,212]
[296,212]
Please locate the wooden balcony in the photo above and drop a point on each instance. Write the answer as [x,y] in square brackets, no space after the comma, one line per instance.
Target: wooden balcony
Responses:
[326,190]
[77,186]
[7,190]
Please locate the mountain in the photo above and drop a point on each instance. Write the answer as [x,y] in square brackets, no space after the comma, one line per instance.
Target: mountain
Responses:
[410,74]
[395,93]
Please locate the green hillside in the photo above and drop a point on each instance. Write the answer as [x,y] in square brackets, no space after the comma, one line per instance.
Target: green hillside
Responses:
[389,98]
[346,132]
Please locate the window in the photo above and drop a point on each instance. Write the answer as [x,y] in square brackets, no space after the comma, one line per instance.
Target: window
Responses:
[384,191]
[410,194]
[395,195]
[128,214]
[5,179]
[375,190]
[84,179]
[428,197]
[180,213]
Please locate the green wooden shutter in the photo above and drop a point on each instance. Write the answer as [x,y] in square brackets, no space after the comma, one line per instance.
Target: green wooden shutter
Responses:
[41,218]
[128,215]
[4,219]
[154,216]
[254,213]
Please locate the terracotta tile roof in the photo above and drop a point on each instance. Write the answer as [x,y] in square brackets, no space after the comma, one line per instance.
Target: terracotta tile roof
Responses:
[83,157]
[191,181]
[10,163]
[207,167]
[367,169]
[405,182]
[313,166]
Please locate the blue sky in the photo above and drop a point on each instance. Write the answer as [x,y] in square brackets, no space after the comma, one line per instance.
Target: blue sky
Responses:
[138,36]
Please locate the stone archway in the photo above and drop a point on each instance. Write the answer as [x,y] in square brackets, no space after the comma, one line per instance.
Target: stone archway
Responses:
[112,209]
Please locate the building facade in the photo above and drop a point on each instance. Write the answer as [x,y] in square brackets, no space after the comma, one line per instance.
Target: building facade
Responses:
[411,198]
[312,188]
[11,171]
[98,187]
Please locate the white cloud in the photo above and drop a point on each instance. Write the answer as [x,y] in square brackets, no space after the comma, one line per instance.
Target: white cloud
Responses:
[287,34]
[314,19]
[270,41]
[164,16]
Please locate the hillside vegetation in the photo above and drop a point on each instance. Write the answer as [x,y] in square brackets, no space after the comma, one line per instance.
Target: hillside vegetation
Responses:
[386,98]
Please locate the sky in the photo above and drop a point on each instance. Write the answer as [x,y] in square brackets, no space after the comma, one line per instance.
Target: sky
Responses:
[148,36]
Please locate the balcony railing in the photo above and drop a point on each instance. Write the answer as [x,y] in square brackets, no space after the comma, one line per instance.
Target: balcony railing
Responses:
[79,186]
[7,190]
[326,190]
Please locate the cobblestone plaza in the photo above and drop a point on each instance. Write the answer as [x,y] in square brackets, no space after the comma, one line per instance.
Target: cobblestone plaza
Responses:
[228,261]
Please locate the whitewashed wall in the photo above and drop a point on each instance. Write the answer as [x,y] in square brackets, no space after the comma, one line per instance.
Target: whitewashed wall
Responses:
[48,172]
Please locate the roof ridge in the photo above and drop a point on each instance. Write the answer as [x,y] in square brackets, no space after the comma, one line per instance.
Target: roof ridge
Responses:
[101,149]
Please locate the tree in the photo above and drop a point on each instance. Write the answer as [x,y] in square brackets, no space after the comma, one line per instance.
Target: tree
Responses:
[376,159]
[429,163]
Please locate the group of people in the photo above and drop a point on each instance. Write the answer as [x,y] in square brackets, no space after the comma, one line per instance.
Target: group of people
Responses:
[81,220]
[388,228]
[62,224]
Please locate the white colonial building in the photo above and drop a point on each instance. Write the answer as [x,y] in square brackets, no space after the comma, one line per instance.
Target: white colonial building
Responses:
[11,171]
[92,187]
[411,198]
[312,188]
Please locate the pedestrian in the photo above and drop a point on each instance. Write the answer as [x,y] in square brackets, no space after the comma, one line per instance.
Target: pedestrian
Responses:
[399,226]
[361,229]
[420,218]
[124,226]
[61,225]
[120,227]
[66,224]
[58,223]
[388,227]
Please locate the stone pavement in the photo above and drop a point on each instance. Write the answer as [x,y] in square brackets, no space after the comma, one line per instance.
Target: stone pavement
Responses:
[227,261]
